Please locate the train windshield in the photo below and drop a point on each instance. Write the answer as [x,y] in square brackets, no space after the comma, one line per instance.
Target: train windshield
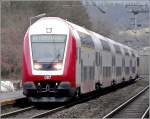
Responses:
[48,48]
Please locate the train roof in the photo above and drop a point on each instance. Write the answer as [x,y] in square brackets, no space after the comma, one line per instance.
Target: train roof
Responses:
[84,30]
[98,35]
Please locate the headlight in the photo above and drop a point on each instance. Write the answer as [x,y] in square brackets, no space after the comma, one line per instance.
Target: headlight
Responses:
[37,66]
[58,66]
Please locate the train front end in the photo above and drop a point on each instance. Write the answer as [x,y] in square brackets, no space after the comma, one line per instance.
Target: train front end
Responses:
[49,61]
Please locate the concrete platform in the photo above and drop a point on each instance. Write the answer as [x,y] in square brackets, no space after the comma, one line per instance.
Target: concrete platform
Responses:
[10,97]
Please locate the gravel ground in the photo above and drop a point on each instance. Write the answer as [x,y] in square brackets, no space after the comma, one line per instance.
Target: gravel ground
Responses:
[19,104]
[8,108]
[97,108]
[136,108]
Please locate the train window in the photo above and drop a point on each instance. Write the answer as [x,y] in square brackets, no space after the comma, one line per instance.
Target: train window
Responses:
[118,71]
[48,49]
[117,49]
[79,54]
[138,61]
[133,54]
[123,62]
[85,73]
[105,45]
[88,73]
[131,62]
[133,69]
[127,70]
[86,40]
[100,58]
[106,72]
[97,59]
[126,52]
[91,72]
[82,71]
[113,60]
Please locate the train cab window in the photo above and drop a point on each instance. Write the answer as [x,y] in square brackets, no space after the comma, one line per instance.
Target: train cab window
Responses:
[86,40]
[47,49]
[117,49]
[105,45]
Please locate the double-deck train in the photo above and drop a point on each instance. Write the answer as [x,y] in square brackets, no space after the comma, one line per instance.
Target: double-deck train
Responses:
[63,60]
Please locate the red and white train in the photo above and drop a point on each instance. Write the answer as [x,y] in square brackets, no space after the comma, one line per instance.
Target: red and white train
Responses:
[61,60]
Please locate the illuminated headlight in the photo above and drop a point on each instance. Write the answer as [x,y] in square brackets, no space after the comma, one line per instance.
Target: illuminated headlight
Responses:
[58,66]
[37,66]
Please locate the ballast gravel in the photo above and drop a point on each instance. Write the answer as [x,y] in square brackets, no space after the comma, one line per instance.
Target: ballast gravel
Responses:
[99,107]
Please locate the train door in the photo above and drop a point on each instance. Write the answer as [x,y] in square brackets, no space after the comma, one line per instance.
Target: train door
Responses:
[78,67]
[78,58]
[98,61]
[137,65]
[113,68]
[97,66]
[118,64]
[131,65]
[127,65]
[134,65]
[87,54]
[123,68]
[107,69]
[106,64]
[87,70]
[98,69]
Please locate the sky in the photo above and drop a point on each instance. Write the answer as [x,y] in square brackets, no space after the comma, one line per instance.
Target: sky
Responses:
[119,13]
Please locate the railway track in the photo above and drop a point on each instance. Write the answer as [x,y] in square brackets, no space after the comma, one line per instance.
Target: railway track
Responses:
[9,114]
[146,113]
[40,112]
[133,107]
[34,112]
[76,101]
[27,112]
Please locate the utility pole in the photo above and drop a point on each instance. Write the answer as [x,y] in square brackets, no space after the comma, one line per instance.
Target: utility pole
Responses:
[136,10]
[100,9]
[93,3]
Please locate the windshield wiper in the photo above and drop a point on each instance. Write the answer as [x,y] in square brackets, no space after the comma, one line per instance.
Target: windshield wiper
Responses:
[56,57]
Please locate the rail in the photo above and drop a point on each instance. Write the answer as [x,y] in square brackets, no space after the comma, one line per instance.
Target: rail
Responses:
[5,115]
[145,113]
[110,114]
